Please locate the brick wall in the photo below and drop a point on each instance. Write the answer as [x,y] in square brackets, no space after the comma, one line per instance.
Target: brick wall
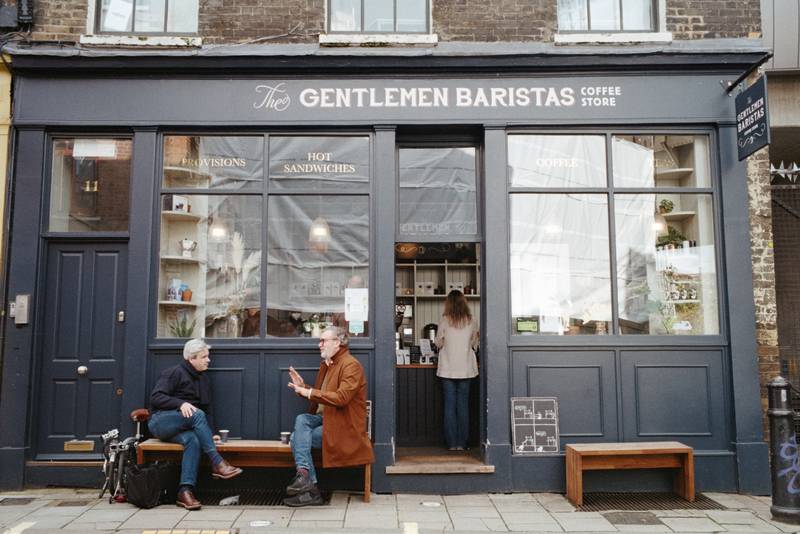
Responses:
[453,20]
[713,19]
[761,243]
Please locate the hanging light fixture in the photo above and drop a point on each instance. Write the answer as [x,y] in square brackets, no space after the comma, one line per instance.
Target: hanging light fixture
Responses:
[660,225]
[216,230]
[319,235]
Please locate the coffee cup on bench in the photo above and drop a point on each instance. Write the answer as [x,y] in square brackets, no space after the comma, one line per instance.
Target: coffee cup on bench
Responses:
[285,437]
[223,435]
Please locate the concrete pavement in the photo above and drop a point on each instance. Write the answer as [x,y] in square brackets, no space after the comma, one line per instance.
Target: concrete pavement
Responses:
[71,510]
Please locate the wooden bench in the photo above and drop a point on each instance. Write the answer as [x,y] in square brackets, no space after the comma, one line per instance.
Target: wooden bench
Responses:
[241,453]
[643,455]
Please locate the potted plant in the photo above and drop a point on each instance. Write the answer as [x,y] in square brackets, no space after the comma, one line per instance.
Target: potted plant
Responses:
[182,327]
[673,237]
[666,206]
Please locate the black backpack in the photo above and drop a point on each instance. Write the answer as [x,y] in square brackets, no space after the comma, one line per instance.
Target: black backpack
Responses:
[149,485]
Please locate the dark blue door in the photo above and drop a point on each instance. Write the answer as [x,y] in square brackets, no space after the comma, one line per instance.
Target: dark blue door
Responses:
[82,345]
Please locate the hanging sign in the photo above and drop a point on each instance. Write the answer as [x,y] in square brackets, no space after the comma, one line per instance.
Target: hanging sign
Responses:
[752,118]
[534,425]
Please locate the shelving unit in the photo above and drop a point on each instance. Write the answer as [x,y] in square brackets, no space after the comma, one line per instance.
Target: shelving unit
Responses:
[190,270]
[424,287]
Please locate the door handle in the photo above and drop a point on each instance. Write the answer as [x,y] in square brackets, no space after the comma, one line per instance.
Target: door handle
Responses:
[82,370]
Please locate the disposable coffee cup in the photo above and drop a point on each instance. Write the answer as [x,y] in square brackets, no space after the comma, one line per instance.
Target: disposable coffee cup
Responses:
[223,436]
[285,437]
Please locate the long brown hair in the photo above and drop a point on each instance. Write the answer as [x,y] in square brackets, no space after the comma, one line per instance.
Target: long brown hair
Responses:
[456,309]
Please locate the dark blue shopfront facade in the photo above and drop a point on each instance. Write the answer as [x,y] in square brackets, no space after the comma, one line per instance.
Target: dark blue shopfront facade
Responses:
[698,389]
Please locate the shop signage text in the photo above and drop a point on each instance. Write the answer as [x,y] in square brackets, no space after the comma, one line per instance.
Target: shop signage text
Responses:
[752,119]
[277,98]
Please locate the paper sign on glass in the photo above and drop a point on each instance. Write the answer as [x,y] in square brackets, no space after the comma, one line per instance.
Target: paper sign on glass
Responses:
[94,148]
[356,304]
[117,16]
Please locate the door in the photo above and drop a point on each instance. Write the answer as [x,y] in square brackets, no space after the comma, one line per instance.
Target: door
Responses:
[82,345]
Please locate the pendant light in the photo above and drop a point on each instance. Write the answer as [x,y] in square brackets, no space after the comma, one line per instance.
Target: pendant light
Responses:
[660,225]
[319,235]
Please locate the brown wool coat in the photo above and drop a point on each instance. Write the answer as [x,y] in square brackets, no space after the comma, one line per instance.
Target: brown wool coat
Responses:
[344,429]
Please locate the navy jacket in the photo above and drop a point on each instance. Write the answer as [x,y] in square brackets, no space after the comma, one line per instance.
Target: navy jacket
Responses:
[179,384]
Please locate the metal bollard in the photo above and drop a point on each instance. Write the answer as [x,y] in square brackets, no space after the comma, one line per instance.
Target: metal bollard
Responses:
[784,452]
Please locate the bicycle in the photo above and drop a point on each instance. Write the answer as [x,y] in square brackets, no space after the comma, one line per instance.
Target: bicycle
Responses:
[119,455]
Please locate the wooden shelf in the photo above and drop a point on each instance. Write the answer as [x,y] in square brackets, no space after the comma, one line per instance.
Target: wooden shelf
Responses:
[678,215]
[181,259]
[177,304]
[675,172]
[180,216]
[417,366]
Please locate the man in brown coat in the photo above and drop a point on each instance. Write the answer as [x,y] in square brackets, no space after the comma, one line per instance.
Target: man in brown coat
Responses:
[339,396]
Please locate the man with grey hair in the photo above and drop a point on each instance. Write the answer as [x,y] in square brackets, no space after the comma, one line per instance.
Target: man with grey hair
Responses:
[181,405]
[339,396]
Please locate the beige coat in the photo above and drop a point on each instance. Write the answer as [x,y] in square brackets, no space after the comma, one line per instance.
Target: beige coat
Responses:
[344,423]
[457,349]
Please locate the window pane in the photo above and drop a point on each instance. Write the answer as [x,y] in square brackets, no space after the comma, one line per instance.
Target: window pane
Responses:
[666,270]
[345,15]
[604,15]
[182,16]
[149,16]
[318,264]
[560,268]
[637,15]
[210,269]
[438,191]
[412,16]
[325,163]
[116,15]
[572,15]
[379,16]
[90,185]
[661,161]
[557,161]
[203,162]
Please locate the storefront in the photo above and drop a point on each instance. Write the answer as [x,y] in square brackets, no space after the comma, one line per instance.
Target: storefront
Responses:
[593,213]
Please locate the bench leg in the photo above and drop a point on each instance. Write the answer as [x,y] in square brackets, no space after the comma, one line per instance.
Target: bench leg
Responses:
[684,478]
[574,478]
[367,482]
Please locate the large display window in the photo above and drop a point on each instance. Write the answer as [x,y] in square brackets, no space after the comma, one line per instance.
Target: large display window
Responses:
[218,212]
[647,239]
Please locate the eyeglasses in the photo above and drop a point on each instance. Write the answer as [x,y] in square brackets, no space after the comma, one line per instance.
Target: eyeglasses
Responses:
[325,340]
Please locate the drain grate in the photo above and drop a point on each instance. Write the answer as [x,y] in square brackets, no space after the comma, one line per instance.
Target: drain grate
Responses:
[15,501]
[602,502]
[248,497]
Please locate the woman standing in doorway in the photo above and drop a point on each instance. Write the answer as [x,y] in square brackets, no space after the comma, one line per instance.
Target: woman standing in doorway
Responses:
[457,338]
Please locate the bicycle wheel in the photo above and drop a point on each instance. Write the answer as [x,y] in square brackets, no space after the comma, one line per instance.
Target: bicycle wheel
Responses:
[119,473]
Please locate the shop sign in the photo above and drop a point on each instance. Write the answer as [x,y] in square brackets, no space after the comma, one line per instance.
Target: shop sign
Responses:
[752,119]
[534,425]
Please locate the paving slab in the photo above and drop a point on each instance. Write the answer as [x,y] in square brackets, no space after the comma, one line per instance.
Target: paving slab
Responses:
[738,527]
[375,500]
[467,500]
[534,527]
[472,512]
[589,521]
[643,528]
[278,517]
[365,519]
[319,513]
[158,519]
[554,502]
[43,523]
[414,501]
[479,525]
[692,524]
[732,516]
[190,524]
[528,517]
[91,527]
[309,525]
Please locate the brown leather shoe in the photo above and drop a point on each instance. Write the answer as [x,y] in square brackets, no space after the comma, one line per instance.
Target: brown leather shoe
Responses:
[225,470]
[187,500]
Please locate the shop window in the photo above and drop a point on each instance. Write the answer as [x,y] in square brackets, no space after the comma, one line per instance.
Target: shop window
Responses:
[666,264]
[210,266]
[90,185]
[378,16]
[560,269]
[318,264]
[146,16]
[211,162]
[607,15]
[557,161]
[438,193]
[663,235]
[319,163]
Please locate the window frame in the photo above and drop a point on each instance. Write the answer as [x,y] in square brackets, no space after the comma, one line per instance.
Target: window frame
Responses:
[264,194]
[98,13]
[657,34]
[362,31]
[614,337]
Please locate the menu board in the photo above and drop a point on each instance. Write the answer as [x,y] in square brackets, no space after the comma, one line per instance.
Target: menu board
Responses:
[534,425]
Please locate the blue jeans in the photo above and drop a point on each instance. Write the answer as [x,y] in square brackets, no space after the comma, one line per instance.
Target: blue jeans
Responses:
[307,435]
[191,432]
[456,411]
